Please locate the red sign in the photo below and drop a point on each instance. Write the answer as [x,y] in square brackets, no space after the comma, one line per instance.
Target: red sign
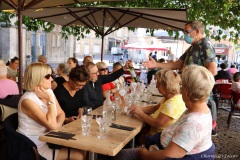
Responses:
[221,51]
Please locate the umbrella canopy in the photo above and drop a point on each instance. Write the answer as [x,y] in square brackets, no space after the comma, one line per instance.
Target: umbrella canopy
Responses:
[114,18]
[23,5]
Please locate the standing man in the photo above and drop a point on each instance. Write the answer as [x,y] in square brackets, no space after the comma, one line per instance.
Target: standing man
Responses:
[201,52]
[42,59]
[171,56]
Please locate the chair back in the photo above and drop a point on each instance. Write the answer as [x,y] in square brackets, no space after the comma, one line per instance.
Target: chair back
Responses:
[18,145]
[224,90]
[235,96]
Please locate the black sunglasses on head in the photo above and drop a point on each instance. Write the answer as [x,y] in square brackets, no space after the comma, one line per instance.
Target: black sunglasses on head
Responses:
[49,75]
[103,69]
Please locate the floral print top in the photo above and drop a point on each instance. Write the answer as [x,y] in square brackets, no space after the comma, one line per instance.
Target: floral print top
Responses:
[200,53]
[192,132]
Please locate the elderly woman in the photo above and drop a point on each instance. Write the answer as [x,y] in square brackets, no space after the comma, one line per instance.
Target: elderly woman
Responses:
[72,62]
[103,70]
[39,111]
[62,71]
[171,106]
[190,136]
[69,94]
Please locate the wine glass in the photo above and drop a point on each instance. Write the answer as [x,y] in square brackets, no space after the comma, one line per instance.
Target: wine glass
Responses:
[128,107]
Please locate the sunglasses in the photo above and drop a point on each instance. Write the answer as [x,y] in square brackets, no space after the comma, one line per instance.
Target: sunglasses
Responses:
[49,75]
[103,69]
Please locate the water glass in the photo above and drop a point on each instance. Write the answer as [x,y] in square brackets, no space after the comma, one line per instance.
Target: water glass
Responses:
[86,129]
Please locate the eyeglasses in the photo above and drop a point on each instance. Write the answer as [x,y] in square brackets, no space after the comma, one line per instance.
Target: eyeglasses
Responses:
[103,69]
[96,73]
[79,85]
[49,75]
[188,31]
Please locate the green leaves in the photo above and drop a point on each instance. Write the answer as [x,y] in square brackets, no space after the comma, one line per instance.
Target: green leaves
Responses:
[223,14]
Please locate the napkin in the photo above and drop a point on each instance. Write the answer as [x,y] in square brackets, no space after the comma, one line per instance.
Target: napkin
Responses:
[117,126]
[62,135]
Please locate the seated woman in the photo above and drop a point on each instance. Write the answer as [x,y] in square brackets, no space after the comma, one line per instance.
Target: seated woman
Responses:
[63,72]
[190,135]
[39,111]
[72,62]
[171,106]
[12,68]
[8,87]
[69,94]
[103,70]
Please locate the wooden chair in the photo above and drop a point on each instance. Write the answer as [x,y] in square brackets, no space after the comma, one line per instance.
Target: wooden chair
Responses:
[234,101]
[18,145]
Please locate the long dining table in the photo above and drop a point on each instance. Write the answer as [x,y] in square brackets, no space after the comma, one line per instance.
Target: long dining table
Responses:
[114,140]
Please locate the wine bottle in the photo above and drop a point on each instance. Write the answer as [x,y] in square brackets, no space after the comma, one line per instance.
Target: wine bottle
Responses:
[133,74]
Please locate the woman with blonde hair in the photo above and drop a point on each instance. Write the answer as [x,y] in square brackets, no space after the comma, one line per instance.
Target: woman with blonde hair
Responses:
[170,108]
[39,111]
[190,136]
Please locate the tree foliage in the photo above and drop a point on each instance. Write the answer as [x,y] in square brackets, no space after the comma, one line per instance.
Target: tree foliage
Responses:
[222,14]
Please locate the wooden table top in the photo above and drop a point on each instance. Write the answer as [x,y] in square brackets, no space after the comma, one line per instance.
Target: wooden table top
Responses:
[111,144]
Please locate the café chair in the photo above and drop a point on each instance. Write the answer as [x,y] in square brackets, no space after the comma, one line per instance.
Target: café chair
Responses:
[234,101]
[18,145]
[5,111]
[223,93]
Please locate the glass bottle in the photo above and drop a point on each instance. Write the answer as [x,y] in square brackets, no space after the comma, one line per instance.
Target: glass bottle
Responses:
[133,74]
[107,106]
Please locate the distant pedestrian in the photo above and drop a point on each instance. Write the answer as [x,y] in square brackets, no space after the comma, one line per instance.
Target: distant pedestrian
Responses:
[232,69]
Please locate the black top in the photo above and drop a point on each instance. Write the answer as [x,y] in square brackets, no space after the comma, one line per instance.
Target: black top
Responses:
[223,75]
[59,80]
[94,96]
[69,104]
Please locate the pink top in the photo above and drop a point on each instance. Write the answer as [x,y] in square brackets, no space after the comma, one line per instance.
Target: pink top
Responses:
[8,87]
[232,70]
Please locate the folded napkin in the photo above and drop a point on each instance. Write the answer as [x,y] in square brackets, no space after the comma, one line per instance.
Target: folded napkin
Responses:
[157,95]
[62,135]
[117,126]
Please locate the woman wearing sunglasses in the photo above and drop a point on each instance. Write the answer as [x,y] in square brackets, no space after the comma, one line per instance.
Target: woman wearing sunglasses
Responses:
[40,112]
[69,94]
[103,70]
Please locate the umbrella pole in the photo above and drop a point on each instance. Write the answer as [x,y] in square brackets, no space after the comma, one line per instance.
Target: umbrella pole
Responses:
[102,47]
[20,49]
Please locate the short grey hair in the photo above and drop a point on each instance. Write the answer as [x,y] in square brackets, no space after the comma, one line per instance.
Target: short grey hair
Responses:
[41,57]
[196,25]
[64,68]
[3,69]
[197,82]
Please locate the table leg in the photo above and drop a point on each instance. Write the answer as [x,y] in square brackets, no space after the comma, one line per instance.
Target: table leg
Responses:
[91,155]
[133,142]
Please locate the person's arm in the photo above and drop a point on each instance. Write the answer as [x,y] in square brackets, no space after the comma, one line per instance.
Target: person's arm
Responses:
[212,67]
[172,151]
[33,110]
[170,65]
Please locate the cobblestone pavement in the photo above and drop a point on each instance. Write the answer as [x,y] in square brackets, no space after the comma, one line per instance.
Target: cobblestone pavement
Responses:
[228,140]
